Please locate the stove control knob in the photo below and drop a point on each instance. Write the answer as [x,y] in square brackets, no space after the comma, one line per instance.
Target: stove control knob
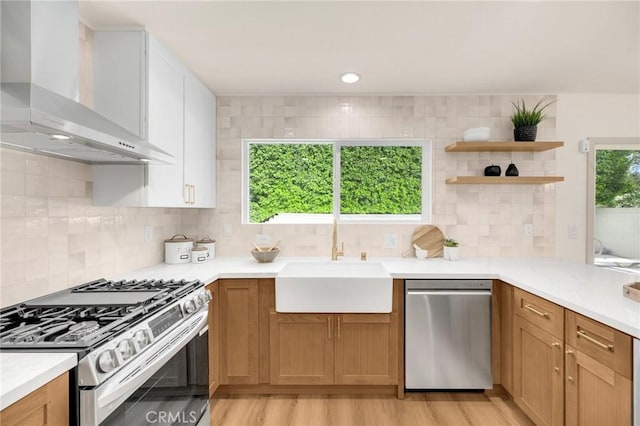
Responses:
[203,298]
[107,361]
[126,349]
[141,338]
[190,306]
[197,301]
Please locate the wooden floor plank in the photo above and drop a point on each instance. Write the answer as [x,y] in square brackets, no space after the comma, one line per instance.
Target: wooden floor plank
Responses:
[423,409]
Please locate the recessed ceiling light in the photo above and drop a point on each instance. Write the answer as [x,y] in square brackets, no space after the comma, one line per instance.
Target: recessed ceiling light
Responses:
[60,137]
[349,77]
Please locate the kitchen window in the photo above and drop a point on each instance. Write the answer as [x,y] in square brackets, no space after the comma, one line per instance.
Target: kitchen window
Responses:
[315,181]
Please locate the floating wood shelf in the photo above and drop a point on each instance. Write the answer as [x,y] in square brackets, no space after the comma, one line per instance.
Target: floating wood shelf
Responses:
[518,180]
[503,146]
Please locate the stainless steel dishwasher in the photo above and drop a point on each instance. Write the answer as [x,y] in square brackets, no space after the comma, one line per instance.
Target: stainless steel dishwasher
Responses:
[448,334]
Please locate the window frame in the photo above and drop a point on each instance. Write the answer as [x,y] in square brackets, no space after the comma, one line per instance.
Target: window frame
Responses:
[427,172]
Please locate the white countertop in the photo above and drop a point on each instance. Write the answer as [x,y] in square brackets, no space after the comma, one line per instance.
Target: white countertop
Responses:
[586,289]
[22,373]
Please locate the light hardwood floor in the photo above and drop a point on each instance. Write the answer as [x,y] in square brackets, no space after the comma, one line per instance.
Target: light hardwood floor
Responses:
[417,409]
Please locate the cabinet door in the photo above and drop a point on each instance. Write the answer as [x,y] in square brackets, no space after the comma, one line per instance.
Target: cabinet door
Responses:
[166,127]
[595,394]
[238,304]
[48,405]
[301,349]
[538,373]
[119,75]
[199,143]
[366,349]
[214,342]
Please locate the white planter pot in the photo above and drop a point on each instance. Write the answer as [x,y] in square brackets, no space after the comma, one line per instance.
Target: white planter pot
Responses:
[451,253]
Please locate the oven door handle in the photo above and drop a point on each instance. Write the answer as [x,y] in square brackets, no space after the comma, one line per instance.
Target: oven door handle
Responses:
[127,381]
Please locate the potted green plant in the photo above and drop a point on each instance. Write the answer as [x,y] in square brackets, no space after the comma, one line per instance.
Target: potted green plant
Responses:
[525,121]
[451,250]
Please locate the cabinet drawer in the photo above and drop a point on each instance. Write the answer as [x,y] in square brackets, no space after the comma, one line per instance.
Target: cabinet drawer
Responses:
[546,315]
[602,343]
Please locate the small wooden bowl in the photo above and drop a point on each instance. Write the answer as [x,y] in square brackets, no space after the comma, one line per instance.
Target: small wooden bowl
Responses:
[265,256]
[632,291]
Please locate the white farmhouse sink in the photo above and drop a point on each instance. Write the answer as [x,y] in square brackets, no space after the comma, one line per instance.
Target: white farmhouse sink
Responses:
[345,287]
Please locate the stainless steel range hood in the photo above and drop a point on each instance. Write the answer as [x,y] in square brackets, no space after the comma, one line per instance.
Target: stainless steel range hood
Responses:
[40,77]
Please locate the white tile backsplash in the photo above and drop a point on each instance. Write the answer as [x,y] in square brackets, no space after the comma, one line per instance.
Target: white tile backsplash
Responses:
[486,219]
[53,237]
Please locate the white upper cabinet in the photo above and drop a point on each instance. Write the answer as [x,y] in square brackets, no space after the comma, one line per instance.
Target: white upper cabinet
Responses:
[143,87]
[199,146]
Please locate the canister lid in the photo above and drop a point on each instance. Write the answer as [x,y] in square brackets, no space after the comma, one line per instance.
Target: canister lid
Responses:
[206,240]
[179,238]
[199,248]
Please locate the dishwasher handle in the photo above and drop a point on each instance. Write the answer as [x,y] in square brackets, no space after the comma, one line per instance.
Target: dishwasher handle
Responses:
[449,292]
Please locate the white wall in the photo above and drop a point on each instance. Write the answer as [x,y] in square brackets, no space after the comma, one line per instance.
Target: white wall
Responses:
[580,116]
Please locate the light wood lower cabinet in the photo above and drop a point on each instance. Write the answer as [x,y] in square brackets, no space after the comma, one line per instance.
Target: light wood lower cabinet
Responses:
[356,349]
[47,405]
[366,349]
[538,373]
[239,331]
[598,373]
[301,349]
[595,394]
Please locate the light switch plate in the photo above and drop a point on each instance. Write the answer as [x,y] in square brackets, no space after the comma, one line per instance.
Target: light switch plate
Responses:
[148,233]
[528,230]
[390,241]
[263,239]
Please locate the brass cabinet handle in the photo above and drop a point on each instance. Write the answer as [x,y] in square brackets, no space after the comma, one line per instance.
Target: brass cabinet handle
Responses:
[570,353]
[329,327]
[569,378]
[338,328]
[194,194]
[187,197]
[555,344]
[556,369]
[537,312]
[584,335]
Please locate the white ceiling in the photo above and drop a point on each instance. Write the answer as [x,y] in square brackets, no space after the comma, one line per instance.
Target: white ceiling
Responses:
[426,47]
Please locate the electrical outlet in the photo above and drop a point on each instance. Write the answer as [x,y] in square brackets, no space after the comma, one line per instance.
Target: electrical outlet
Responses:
[528,230]
[148,233]
[390,241]
[226,230]
[263,239]
[573,232]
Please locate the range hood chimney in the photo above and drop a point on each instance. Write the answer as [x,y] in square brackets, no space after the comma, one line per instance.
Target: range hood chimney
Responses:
[40,90]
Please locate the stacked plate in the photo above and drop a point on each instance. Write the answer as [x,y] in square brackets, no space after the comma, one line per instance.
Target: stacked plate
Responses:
[477,134]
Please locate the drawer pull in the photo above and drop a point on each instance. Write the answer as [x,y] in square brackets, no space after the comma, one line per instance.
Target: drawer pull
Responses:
[537,312]
[338,328]
[570,379]
[556,369]
[556,344]
[570,353]
[329,327]
[584,335]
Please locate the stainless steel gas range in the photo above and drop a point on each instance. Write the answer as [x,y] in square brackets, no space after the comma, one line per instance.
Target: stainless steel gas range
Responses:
[142,348]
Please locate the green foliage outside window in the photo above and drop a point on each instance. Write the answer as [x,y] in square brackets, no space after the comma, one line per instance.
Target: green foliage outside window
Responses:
[380,180]
[617,178]
[298,178]
[289,178]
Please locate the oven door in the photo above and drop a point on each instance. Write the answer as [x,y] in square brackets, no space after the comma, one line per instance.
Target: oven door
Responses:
[168,385]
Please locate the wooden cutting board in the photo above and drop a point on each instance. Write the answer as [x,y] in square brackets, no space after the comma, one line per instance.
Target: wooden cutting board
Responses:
[428,237]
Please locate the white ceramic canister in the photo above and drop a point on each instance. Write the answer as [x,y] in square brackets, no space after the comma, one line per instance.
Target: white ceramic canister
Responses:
[177,249]
[199,254]
[210,245]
